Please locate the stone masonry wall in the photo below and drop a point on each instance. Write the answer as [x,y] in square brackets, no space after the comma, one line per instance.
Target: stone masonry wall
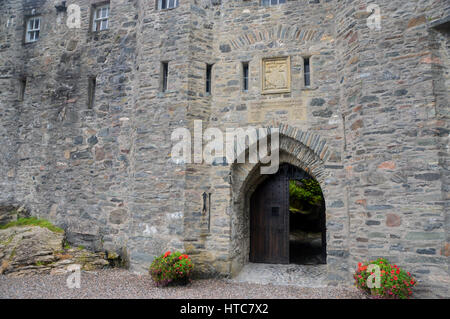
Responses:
[69,163]
[372,128]
[396,202]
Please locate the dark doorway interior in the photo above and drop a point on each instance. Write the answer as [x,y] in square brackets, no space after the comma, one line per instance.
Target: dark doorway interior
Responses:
[287,219]
[307,240]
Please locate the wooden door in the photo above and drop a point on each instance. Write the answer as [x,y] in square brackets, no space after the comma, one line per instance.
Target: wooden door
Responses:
[269,221]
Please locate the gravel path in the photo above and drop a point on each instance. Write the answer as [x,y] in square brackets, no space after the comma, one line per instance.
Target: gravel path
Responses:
[124,284]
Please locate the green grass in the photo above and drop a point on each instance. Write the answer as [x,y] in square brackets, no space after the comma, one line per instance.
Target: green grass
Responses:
[33,221]
[13,253]
[7,241]
[66,245]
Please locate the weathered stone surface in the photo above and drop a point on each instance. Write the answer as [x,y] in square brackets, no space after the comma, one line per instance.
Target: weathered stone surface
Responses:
[446,250]
[118,216]
[12,213]
[36,250]
[424,236]
[372,127]
[357,124]
[387,165]
[393,220]
[416,21]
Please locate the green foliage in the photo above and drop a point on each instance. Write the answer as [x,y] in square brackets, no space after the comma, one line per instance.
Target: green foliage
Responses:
[33,221]
[66,245]
[303,194]
[7,241]
[171,268]
[394,281]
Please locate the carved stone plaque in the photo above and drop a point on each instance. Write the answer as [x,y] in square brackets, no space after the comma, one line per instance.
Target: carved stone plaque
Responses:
[276,75]
[284,111]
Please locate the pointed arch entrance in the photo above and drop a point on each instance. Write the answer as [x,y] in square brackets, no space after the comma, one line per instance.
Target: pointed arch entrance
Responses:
[275,224]
[310,153]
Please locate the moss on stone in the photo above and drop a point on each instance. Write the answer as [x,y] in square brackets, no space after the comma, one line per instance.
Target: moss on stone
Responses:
[13,254]
[7,241]
[33,221]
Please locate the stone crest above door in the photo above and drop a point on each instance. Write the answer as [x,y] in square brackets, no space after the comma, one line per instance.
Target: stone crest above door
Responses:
[276,75]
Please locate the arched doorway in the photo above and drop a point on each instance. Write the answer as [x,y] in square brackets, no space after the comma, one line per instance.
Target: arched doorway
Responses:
[287,219]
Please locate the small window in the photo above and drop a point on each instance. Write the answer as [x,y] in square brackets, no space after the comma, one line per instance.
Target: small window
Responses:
[272,2]
[164,76]
[92,83]
[22,87]
[167,4]
[100,18]
[33,29]
[307,71]
[208,78]
[245,74]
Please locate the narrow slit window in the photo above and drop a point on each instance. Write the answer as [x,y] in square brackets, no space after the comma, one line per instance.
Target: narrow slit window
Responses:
[22,87]
[33,29]
[92,83]
[307,71]
[272,2]
[245,74]
[164,76]
[208,78]
[167,4]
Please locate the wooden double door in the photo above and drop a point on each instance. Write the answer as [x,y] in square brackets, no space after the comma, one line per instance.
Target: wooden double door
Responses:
[269,217]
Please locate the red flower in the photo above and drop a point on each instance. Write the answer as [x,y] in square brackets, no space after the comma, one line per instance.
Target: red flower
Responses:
[398,271]
[395,278]
[166,254]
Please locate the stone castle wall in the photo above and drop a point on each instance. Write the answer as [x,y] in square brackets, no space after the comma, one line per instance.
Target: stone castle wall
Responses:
[372,128]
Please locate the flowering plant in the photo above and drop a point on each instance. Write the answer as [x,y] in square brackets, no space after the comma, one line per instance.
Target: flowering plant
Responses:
[171,268]
[394,281]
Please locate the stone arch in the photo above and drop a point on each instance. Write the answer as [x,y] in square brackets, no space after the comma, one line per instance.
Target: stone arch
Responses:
[280,32]
[305,150]
[309,152]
